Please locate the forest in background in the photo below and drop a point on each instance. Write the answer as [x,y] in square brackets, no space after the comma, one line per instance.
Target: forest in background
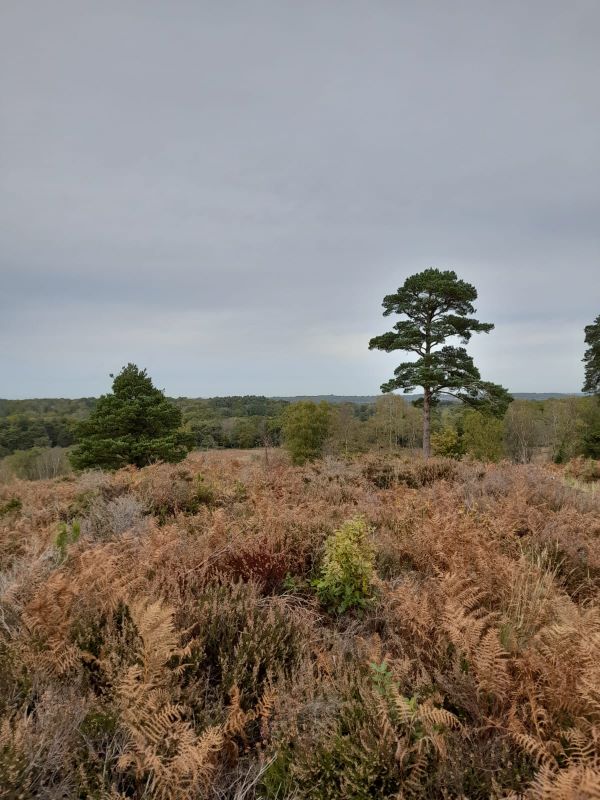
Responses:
[36,435]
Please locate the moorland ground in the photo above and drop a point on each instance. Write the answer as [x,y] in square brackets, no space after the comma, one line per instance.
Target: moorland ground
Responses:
[178,631]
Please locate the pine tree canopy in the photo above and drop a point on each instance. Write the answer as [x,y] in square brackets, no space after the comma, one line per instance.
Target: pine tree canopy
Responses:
[591,358]
[136,424]
[437,306]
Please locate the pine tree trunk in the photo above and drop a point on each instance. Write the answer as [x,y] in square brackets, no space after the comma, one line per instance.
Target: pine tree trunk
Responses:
[426,423]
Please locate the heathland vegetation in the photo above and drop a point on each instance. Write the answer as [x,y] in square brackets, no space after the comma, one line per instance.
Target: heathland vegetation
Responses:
[229,627]
[344,617]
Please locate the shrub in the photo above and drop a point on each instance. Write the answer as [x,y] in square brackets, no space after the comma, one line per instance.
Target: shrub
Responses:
[106,518]
[37,463]
[369,741]
[12,506]
[259,560]
[586,470]
[447,443]
[167,491]
[67,534]
[347,568]
[385,473]
[237,641]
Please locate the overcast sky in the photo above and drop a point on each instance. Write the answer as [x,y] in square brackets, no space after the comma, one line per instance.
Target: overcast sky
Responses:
[223,192]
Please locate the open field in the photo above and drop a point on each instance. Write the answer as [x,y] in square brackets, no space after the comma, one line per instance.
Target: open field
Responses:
[161,635]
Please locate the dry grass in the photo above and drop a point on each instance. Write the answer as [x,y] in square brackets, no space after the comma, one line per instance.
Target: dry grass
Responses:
[176,648]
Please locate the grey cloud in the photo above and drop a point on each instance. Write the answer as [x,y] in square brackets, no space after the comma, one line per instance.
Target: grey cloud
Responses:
[235,186]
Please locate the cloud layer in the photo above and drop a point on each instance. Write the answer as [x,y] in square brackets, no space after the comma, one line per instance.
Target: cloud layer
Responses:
[223,192]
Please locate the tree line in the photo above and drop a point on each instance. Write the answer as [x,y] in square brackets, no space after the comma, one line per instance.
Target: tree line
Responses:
[237,422]
[137,424]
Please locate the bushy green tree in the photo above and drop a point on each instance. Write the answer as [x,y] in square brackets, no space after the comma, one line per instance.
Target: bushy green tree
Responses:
[136,424]
[436,306]
[590,438]
[305,429]
[447,443]
[482,436]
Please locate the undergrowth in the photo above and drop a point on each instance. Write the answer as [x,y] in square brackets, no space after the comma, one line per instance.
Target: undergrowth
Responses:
[228,629]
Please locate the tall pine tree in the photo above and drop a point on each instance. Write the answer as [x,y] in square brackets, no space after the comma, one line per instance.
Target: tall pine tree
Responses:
[136,424]
[591,358]
[436,306]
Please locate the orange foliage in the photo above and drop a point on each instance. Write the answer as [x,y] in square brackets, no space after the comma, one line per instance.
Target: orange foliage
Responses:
[178,649]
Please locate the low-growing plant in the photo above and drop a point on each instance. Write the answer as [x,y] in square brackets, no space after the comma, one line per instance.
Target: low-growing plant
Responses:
[347,569]
[204,494]
[239,642]
[106,518]
[260,561]
[67,534]
[167,492]
[386,473]
[196,661]
[586,470]
[368,742]
[12,506]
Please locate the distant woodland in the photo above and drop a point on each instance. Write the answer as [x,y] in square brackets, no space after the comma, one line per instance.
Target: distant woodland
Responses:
[37,435]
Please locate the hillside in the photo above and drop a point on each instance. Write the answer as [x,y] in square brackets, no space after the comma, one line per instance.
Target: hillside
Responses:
[162,635]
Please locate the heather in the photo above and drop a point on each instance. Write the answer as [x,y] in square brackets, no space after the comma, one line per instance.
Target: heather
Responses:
[234,626]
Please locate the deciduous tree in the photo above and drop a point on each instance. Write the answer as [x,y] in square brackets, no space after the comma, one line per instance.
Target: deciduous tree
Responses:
[305,428]
[482,436]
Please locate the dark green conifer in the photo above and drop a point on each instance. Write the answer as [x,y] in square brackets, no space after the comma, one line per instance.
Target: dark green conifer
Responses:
[591,358]
[136,424]
[436,306]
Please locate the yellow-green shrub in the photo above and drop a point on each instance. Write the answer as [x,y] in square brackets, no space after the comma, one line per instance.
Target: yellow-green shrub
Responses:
[447,443]
[347,568]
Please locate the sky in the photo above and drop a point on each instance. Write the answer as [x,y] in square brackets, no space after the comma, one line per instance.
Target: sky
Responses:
[223,192]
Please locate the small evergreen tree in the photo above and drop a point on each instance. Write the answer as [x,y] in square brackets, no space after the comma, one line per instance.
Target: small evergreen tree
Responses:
[136,424]
[305,429]
[437,306]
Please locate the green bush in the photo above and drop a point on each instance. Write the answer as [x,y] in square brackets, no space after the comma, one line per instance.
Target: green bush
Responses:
[347,568]
[67,534]
[447,443]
